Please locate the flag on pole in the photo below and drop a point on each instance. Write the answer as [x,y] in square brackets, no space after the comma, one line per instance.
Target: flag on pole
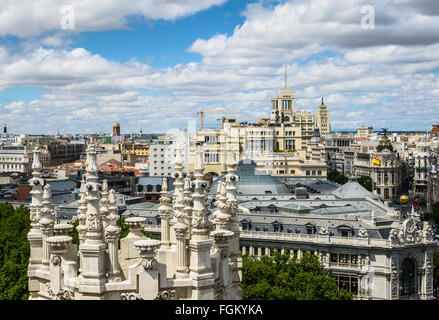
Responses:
[376,162]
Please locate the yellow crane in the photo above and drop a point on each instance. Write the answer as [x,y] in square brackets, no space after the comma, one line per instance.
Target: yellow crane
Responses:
[202,112]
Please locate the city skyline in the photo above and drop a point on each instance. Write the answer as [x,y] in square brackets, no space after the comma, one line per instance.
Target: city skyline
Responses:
[154,65]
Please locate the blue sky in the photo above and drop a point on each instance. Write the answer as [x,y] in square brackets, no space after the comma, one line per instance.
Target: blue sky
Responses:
[163,43]
[152,64]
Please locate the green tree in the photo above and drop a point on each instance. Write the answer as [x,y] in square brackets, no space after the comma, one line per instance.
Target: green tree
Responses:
[335,176]
[432,215]
[14,252]
[283,278]
[366,182]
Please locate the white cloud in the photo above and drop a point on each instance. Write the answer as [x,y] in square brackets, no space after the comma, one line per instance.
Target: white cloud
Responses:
[366,76]
[26,18]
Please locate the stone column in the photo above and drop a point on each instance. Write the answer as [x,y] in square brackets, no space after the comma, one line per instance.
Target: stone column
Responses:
[165,212]
[46,224]
[35,236]
[200,244]
[178,185]
[222,238]
[112,233]
[231,180]
[93,250]
[149,279]
[58,248]
[180,230]
[182,269]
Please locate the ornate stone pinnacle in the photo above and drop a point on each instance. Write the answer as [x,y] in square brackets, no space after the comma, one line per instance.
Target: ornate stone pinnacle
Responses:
[135,224]
[199,167]
[36,164]
[147,246]
[164,185]
[92,166]
[47,195]
[59,242]
[62,229]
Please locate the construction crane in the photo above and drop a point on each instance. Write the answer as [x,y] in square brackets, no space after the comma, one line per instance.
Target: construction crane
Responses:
[229,118]
[202,112]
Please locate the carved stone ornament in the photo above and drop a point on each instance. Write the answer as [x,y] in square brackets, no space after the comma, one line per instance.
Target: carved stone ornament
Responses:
[428,232]
[56,260]
[408,234]
[429,275]
[323,231]
[112,233]
[362,233]
[64,294]
[166,295]
[130,296]
[394,281]
[150,264]
[224,253]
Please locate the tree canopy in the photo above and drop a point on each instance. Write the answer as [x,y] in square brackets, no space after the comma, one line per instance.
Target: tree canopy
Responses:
[335,176]
[366,182]
[283,278]
[14,252]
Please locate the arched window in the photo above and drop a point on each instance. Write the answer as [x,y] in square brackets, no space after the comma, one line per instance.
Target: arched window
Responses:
[287,119]
[307,172]
[313,172]
[407,278]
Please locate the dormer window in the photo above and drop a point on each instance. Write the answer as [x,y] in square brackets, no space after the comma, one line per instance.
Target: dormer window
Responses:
[345,231]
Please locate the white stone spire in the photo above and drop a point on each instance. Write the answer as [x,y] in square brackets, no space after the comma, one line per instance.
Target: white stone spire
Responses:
[81,213]
[180,229]
[200,213]
[94,220]
[222,216]
[232,202]
[104,204]
[165,213]
[36,163]
[112,233]
[47,221]
[187,206]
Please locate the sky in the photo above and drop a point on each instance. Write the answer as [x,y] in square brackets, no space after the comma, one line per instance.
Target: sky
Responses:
[77,66]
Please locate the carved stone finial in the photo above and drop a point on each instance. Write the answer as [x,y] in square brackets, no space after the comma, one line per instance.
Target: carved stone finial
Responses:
[165,184]
[36,163]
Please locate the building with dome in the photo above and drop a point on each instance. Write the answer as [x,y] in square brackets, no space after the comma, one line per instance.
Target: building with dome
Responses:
[367,246]
[384,168]
[278,145]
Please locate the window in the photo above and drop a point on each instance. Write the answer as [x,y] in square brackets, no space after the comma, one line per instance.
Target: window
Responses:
[407,278]
[262,251]
[286,104]
[307,172]
[348,283]
[289,144]
[297,230]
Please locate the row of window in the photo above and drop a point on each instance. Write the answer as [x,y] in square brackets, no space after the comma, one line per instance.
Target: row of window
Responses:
[10,159]
[12,166]
[342,258]
[314,172]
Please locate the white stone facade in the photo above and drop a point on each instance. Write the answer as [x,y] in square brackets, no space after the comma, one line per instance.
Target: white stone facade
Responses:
[198,256]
